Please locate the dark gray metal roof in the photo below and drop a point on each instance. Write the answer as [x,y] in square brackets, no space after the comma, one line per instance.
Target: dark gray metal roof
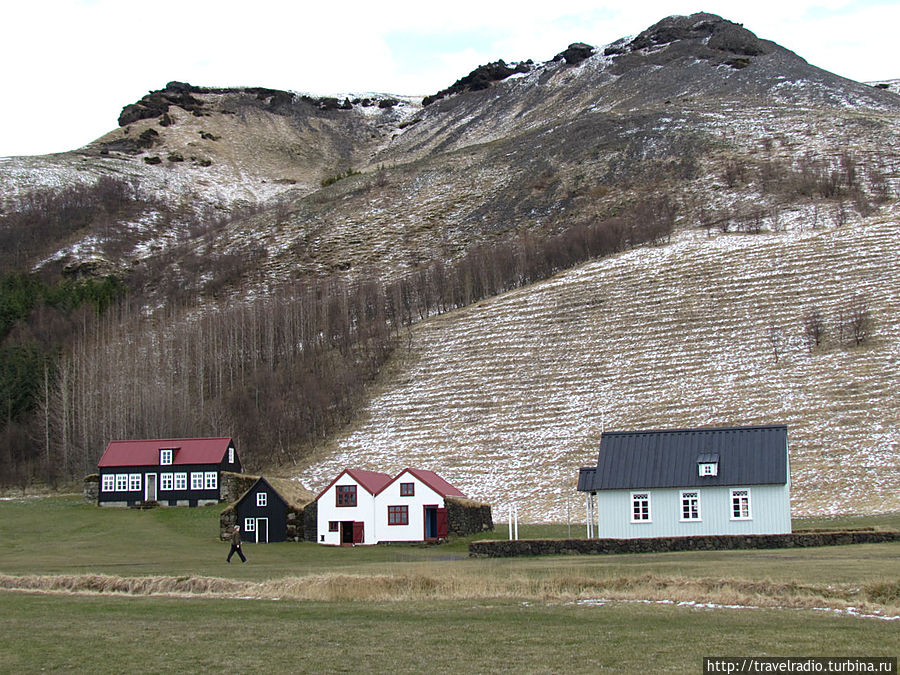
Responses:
[669,458]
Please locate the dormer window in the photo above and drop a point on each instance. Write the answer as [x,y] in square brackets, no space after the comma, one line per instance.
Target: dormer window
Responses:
[708,465]
[165,456]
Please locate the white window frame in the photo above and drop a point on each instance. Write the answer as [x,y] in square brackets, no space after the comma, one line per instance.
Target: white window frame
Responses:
[249,524]
[134,482]
[196,480]
[166,481]
[109,483]
[181,480]
[230,455]
[165,457]
[262,499]
[708,469]
[686,497]
[121,482]
[211,480]
[637,497]
[740,498]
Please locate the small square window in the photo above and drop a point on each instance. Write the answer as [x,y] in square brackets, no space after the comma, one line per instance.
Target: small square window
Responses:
[332,526]
[196,480]
[181,481]
[249,524]
[262,499]
[109,483]
[165,456]
[121,482]
[134,482]
[708,469]
[346,495]
[398,515]
[407,489]
[210,480]
[165,481]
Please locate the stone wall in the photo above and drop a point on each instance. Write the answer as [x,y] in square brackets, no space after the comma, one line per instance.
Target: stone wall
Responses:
[466,516]
[91,490]
[521,547]
[310,522]
[233,485]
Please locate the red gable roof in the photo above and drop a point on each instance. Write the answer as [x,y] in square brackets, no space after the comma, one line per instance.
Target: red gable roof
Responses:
[372,481]
[435,482]
[144,453]
[375,482]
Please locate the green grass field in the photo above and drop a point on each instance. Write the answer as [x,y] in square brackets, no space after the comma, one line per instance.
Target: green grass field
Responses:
[306,608]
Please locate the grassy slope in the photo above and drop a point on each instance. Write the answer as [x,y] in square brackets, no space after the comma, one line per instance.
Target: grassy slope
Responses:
[507,398]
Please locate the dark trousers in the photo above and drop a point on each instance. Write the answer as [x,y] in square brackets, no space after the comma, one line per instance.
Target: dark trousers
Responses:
[235,547]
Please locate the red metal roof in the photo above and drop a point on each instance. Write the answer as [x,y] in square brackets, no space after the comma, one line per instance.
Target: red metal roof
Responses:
[375,481]
[146,452]
[372,481]
[435,482]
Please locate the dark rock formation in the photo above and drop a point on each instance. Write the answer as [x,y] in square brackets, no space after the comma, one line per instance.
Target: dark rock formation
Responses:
[481,78]
[575,53]
[156,103]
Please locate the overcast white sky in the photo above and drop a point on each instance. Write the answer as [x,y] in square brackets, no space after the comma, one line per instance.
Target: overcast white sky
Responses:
[70,66]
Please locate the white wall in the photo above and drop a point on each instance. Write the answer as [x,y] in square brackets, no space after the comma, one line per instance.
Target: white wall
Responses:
[770,513]
[327,510]
[423,496]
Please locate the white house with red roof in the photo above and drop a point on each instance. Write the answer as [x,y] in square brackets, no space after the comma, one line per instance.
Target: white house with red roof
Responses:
[173,472]
[368,507]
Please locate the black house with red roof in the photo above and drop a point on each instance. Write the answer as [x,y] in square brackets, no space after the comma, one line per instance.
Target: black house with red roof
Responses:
[173,472]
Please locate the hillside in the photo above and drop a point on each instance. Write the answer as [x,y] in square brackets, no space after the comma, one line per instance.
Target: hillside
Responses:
[264,252]
[510,396]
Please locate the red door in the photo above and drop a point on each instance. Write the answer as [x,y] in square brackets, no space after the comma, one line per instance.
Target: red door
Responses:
[441,523]
[358,534]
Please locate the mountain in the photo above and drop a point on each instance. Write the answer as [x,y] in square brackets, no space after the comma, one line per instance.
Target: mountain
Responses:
[740,189]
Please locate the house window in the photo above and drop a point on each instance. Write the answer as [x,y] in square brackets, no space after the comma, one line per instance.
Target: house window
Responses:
[740,505]
[346,495]
[398,515]
[332,526]
[165,481]
[249,524]
[165,456]
[640,507]
[690,506]
[134,482]
[109,483]
[262,498]
[181,481]
[121,482]
[211,480]
[196,480]
[407,489]
[708,469]
[231,455]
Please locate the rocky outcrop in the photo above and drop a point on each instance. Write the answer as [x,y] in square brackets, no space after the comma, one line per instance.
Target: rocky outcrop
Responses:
[575,53]
[481,78]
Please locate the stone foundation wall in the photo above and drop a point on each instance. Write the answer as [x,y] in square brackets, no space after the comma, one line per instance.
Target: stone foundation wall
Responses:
[91,490]
[310,522]
[465,516]
[502,549]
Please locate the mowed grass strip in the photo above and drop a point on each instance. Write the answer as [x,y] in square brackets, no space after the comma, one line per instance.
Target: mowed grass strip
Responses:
[102,634]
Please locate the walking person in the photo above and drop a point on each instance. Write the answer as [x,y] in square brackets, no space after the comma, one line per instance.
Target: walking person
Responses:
[236,545]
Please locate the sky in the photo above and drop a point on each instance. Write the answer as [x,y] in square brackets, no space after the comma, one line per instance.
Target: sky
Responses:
[70,66]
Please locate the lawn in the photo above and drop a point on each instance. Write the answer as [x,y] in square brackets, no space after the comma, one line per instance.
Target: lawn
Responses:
[410,608]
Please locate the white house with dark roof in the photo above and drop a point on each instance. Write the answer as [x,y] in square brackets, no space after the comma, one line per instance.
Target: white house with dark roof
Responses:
[368,507]
[688,482]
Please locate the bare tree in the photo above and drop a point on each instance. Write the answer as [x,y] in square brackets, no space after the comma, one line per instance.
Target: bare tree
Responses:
[813,328]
